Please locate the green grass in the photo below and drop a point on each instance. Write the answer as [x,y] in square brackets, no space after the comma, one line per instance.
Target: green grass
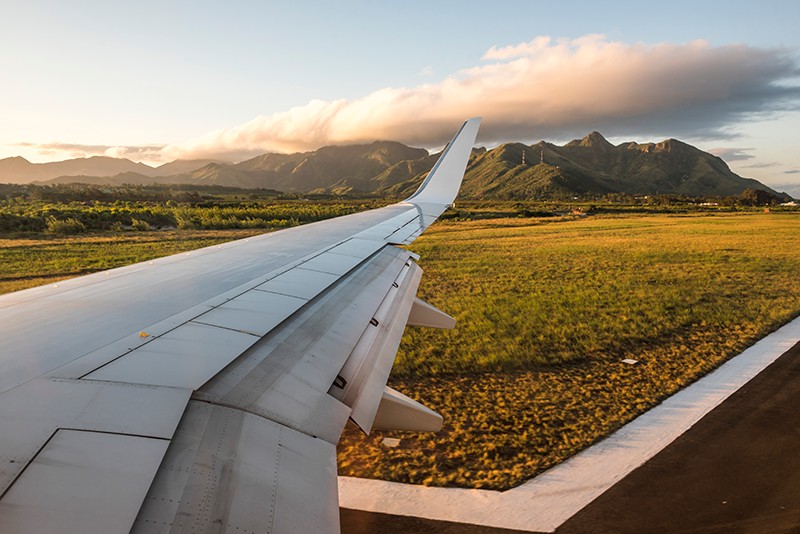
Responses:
[528,294]
[42,259]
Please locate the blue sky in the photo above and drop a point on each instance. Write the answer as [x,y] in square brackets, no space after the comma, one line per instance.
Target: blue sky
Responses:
[158,80]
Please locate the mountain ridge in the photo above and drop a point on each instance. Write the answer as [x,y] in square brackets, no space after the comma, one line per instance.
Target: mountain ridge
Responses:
[17,169]
[590,165]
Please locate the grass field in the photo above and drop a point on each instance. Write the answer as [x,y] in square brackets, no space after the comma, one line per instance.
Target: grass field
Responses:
[32,261]
[547,309]
[547,312]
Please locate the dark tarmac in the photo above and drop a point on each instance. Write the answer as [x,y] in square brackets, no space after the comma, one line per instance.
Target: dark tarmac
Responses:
[737,470]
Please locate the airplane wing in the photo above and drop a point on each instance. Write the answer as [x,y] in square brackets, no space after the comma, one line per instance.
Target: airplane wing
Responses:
[206,391]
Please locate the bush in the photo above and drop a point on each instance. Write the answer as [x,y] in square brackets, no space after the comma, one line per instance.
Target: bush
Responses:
[65,226]
[141,225]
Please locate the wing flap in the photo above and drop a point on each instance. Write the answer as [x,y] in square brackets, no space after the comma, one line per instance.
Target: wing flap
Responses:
[287,375]
[367,369]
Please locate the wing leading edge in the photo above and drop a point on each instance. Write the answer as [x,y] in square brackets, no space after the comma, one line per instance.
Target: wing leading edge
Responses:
[213,400]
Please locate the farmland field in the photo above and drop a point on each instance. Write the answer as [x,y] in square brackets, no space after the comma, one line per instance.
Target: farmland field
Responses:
[547,309]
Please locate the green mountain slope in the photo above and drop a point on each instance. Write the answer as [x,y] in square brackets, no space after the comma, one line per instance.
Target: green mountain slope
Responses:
[181,166]
[670,166]
[509,171]
[338,169]
[593,165]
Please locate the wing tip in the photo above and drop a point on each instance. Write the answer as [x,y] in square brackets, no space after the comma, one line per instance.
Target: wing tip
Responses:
[444,180]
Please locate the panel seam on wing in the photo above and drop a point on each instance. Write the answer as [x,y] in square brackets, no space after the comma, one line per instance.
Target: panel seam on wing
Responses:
[252,286]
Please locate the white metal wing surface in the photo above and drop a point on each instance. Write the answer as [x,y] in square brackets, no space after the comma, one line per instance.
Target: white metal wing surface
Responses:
[206,391]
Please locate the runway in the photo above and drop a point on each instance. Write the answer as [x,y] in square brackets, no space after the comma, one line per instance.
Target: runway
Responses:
[737,470]
[720,456]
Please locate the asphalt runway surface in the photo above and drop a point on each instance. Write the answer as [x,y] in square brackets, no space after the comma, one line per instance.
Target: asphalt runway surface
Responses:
[737,470]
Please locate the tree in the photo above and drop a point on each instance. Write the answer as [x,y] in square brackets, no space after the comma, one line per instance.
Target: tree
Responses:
[757,197]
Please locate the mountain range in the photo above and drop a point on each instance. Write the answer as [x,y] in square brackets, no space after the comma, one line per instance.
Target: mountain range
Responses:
[20,170]
[509,171]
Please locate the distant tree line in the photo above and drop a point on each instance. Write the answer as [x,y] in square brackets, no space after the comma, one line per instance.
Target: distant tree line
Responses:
[135,193]
[70,209]
[748,197]
[76,208]
[70,218]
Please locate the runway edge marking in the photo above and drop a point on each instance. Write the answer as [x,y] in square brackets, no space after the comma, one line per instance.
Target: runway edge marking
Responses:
[545,502]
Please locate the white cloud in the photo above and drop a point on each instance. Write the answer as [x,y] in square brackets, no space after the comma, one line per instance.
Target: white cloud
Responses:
[540,45]
[732,154]
[541,89]
[75,150]
[764,165]
[300,128]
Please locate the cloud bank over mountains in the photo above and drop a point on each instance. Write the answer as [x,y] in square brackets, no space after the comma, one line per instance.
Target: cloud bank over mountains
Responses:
[75,150]
[543,89]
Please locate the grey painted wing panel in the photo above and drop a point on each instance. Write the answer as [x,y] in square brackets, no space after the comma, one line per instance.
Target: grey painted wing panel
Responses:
[32,413]
[232,471]
[333,263]
[255,312]
[83,482]
[299,282]
[186,357]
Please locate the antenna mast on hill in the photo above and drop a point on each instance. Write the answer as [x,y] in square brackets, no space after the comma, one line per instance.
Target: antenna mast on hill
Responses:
[541,156]
[523,156]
